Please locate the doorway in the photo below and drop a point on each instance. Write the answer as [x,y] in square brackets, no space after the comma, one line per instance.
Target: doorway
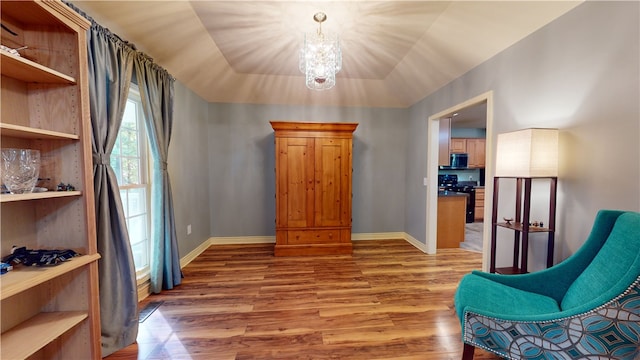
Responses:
[433,133]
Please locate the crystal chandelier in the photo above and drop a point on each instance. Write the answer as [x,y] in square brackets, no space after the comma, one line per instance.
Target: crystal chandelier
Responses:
[320,57]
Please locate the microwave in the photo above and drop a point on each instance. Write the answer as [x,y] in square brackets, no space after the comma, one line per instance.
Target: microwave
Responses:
[459,160]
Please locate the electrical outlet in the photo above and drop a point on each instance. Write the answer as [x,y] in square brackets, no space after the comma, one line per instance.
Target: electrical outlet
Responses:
[189,229]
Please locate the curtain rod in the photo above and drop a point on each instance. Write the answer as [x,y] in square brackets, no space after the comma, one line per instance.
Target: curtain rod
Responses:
[96,26]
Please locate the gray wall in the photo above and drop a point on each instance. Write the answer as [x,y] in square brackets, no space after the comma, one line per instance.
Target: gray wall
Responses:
[580,74]
[468,133]
[242,159]
[188,169]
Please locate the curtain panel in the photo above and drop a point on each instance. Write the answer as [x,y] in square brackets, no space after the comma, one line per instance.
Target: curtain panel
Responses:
[110,69]
[111,61]
[157,93]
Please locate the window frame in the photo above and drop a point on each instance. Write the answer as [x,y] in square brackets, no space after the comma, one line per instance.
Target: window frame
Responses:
[145,176]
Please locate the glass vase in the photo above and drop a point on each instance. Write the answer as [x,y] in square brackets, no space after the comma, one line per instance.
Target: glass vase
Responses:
[20,169]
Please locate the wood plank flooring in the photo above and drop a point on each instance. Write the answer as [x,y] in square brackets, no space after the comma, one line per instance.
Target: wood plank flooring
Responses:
[386,301]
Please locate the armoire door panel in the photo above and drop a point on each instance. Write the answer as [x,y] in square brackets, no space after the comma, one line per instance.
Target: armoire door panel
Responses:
[332,191]
[296,182]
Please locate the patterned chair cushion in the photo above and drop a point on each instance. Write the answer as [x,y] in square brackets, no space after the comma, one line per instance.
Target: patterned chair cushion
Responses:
[608,332]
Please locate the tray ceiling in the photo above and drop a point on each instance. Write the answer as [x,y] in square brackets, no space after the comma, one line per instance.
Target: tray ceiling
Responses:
[394,52]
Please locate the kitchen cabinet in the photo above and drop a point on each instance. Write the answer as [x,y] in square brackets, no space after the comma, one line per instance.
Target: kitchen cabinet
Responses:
[444,136]
[49,312]
[313,187]
[479,205]
[451,219]
[475,147]
[458,145]
[520,225]
[476,151]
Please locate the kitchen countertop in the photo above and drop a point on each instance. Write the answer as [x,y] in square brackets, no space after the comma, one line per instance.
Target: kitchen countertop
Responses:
[451,193]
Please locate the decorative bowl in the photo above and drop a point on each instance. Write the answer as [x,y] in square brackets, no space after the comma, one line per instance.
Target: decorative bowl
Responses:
[20,169]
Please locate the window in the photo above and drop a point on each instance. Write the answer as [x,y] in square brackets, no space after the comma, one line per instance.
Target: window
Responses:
[129,160]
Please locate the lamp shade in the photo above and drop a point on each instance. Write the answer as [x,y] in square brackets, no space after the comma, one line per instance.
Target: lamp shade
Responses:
[527,153]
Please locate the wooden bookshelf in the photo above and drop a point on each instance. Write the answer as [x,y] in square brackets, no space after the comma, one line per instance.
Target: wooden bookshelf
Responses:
[40,331]
[25,277]
[26,132]
[49,312]
[41,195]
[26,70]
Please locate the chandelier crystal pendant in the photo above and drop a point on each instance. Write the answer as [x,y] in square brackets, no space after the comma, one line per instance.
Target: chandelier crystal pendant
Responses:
[320,57]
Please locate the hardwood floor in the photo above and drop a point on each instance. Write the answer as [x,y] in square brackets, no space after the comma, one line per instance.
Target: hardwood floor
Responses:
[386,301]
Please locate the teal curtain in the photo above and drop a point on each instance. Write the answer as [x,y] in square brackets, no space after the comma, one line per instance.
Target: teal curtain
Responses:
[157,93]
[110,63]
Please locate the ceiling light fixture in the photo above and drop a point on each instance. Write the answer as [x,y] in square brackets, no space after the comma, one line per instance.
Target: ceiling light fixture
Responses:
[320,57]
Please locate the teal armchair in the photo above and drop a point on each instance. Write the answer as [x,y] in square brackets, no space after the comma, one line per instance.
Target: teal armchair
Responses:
[586,307]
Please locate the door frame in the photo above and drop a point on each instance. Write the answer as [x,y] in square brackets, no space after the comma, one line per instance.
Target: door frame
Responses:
[433,123]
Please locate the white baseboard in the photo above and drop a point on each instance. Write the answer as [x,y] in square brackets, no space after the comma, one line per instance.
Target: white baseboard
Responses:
[231,240]
[417,244]
[194,253]
[392,235]
[377,236]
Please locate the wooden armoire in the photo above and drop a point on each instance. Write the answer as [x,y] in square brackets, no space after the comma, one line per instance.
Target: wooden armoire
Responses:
[313,187]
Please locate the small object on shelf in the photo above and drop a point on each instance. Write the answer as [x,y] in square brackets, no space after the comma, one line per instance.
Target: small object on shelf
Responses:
[508,220]
[12,51]
[22,255]
[65,187]
[20,169]
[5,268]
[41,184]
